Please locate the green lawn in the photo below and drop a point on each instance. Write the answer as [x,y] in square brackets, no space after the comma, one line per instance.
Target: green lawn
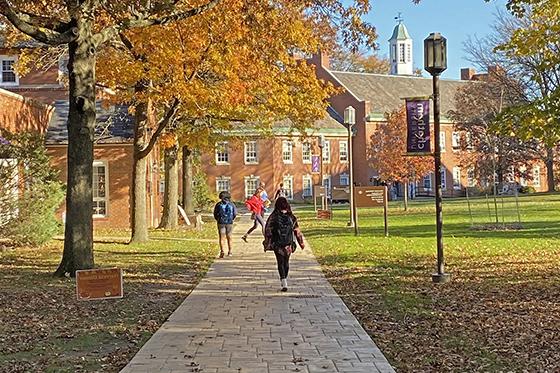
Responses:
[43,327]
[501,312]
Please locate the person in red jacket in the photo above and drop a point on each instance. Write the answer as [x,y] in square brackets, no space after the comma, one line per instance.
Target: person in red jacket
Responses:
[256,206]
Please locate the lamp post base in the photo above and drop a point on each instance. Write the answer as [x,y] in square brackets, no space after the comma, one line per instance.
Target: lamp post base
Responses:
[441,278]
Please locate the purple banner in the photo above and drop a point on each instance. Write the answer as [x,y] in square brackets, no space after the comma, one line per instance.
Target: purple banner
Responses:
[418,126]
[315,164]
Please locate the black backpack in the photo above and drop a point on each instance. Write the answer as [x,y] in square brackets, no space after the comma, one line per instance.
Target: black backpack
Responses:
[283,233]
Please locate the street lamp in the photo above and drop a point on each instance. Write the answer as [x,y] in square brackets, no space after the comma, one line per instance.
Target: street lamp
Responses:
[322,182]
[350,121]
[435,62]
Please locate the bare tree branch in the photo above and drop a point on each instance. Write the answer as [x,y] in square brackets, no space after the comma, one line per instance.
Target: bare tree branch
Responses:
[162,124]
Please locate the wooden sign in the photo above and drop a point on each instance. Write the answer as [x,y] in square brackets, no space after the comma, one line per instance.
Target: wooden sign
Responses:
[318,191]
[324,214]
[370,196]
[340,193]
[99,284]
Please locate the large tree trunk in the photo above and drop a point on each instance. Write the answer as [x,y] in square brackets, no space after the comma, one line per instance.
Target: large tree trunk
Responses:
[188,204]
[550,169]
[171,196]
[78,234]
[138,197]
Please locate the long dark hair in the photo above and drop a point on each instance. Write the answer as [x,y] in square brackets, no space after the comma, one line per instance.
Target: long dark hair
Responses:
[282,204]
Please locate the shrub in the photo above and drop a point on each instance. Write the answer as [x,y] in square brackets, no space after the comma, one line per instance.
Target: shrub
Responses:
[202,197]
[527,190]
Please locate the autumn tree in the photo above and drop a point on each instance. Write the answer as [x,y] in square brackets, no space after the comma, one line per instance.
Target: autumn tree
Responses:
[361,62]
[387,152]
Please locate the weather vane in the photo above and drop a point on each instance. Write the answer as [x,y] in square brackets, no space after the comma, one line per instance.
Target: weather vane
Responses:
[399,18]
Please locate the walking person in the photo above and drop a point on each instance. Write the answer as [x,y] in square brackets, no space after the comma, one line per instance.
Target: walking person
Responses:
[256,206]
[280,235]
[264,197]
[281,192]
[225,213]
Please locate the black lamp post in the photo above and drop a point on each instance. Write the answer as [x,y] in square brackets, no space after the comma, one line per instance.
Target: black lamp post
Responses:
[435,62]
[350,121]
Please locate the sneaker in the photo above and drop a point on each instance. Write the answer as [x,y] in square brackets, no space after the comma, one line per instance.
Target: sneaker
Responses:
[221,254]
[244,238]
[284,283]
[229,254]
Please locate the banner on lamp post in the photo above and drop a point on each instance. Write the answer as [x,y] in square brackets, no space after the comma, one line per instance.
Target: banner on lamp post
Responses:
[418,126]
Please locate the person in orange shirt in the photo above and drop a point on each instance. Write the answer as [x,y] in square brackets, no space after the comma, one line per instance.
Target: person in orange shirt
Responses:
[256,206]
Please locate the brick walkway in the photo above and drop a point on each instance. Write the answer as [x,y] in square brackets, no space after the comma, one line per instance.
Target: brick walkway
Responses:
[237,321]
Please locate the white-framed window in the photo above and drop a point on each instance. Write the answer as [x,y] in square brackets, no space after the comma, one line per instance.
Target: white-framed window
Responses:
[394,53]
[537,176]
[251,185]
[100,189]
[344,179]
[287,155]
[443,178]
[327,151]
[222,153]
[522,178]
[306,152]
[401,52]
[307,186]
[470,178]
[327,183]
[9,76]
[409,53]
[223,184]
[469,141]
[455,140]
[457,178]
[442,141]
[343,150]
[10,190]
[288,181]
[251,152]
[427,182]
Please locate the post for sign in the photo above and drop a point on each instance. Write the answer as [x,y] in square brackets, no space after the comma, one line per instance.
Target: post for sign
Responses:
[350,121]
[385,220]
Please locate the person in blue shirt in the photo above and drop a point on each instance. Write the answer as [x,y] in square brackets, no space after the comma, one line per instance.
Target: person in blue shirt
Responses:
[225,213]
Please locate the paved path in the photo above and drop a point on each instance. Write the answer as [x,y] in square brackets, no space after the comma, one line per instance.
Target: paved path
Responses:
[237,321]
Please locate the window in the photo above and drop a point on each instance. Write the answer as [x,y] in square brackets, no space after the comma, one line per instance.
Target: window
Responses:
[537,176]
[427,182]
[457,178]
[470,177]
[288,181]
[307,186]
[306,152]
[343,150]
[222,153]
[326,151]
[223,184]
[408,53]
[287,151]
[9,76]
[443,179]
[522,179]
[468,138]
[251,185]
[394,53]
[442,141]
[344,179]
[401,53]
[100,195]
[327,183]
[455,140]
[251,152]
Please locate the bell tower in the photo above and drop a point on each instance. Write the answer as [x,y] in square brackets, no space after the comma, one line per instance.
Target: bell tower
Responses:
[400,49]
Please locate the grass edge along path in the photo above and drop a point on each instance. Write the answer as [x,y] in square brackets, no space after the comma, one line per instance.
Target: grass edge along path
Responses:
[500,312]
[43,327]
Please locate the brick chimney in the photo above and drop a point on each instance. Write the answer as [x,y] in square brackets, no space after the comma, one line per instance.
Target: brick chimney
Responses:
[320,59]
[467,73]
[495,70]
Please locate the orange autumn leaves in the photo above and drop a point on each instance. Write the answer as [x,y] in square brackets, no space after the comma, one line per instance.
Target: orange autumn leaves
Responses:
[387,151]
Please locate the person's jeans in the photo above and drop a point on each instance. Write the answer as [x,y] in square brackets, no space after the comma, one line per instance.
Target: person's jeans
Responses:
[258,220]
[283,261]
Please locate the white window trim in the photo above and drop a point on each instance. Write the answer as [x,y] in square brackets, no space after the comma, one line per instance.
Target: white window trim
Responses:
[256,161]
[443,174]
[326,145]
[304,178]
[223,178]
[247,179]
[287,144]
[428,178]
[455,140]
[105,164]
[346,176]
[303,145]
[537,177]
[226,144]
[289,180]
[442,141]
[9,58]
[471,181]
[457,172]
[340,142]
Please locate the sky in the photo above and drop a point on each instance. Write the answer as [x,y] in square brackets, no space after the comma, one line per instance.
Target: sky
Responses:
[454,19]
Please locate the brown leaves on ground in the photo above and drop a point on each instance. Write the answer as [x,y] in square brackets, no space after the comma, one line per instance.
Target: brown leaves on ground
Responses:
[44,328]
[499,315]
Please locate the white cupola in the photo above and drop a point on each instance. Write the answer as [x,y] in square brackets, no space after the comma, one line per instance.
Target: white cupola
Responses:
[400,50]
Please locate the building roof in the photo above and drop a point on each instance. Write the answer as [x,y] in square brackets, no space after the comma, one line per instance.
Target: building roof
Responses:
[400,32]
[387,92]
[114,124]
